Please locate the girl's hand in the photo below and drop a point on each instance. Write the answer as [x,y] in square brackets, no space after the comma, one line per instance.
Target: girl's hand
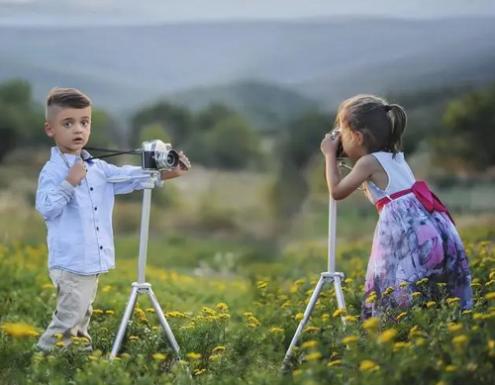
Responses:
[330,143]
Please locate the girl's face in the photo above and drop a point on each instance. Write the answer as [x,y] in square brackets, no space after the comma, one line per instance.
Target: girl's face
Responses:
[352,142]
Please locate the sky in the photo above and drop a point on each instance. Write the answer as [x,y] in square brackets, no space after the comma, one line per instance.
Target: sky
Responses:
[34,12]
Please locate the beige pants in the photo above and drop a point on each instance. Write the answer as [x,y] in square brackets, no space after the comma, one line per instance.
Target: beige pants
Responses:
[75,296]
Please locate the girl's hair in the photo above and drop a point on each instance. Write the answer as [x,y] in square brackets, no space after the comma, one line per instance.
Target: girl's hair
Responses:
[381,124]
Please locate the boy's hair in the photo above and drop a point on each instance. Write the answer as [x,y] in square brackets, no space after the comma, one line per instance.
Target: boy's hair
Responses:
[66,98]
[381,124]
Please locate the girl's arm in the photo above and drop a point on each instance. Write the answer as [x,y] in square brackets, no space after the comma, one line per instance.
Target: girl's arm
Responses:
[362,170]
[341,188]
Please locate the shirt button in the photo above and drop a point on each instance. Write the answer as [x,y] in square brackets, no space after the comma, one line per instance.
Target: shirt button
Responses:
[101,247]
[97,228]
[96,208]
[91,189]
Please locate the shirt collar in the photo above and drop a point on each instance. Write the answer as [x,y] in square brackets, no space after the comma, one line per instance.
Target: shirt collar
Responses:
[70,159]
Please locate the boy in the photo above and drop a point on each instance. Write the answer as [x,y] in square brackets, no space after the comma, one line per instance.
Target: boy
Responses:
[76,200]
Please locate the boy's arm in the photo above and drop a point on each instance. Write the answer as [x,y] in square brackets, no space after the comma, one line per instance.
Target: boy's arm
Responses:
[52,195]
[137,179]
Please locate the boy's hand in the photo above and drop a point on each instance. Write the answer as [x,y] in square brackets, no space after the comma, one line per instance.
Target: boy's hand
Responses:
[330,143]
[77,173]
[181,169]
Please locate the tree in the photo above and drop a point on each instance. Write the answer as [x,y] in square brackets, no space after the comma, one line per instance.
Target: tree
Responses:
[469,133]
[177,122]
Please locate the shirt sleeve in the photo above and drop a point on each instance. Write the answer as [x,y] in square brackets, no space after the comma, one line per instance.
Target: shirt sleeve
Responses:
[52,194]
[133,178]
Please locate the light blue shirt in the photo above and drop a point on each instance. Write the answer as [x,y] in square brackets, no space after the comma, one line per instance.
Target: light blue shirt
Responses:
[79,219]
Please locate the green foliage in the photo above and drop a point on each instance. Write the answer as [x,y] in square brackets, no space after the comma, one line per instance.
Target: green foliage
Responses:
[21,121]
[469,131]
[299,145]
[175,120]
[236,330]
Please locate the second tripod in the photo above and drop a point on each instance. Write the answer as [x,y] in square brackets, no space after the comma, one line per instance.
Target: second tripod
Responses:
[328,276]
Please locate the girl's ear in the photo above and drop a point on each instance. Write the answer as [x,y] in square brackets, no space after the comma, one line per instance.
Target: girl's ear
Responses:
[358,137]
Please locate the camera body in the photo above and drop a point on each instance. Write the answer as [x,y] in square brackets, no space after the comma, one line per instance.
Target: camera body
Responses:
[157,155]
[340,149]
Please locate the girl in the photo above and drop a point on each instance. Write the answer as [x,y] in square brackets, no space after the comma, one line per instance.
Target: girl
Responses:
[416,245]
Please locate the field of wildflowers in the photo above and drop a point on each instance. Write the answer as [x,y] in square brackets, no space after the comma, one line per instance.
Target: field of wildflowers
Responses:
[235,330]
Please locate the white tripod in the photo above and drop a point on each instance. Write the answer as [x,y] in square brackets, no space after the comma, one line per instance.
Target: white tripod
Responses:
[326,277]
[141,286]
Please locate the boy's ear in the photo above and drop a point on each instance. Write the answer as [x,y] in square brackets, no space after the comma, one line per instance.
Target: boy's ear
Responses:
[48,129]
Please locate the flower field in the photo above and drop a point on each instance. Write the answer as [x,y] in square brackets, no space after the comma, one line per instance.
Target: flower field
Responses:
[235,330]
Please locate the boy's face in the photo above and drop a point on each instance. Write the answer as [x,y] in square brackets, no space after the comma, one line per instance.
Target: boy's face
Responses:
[69,127]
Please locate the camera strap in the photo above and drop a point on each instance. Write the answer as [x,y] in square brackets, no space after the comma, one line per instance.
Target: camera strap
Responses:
[109,152]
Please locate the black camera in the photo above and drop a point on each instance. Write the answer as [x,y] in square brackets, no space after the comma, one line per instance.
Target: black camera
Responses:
[340,149]
[157,155]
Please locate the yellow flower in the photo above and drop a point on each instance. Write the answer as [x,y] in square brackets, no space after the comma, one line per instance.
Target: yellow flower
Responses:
[299,316]
[175,314]
[490,296]
[454,327]
[422,281]
[208,311]
[109,312]
[339,312]
[159,357]
[401,315]
[350,318]
[334,363]
[416,294]
[372,297]
[215,357]
[388,291]
[218,349]
[261,284]
[48,286]
[371,323]
[133,338]
[276,330]
[368,366]
[199,372]
[387,336]
[309,344]
[19,329]
[150,310]
[58,336]
[441,284]
[348,280]
[350,340]
[451,368]
[193,356]
[222,306]
[430,304]
[312,329]
[404,284]
[97,311]
[452,300]
[106,288]
[60,344]
[314,356]
[401,345]
[415,332]
[460,341]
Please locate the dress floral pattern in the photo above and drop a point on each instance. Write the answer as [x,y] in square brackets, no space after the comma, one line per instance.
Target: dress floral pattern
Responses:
[410,245]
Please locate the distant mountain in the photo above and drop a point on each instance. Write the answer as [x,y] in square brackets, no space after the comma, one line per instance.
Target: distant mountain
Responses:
[124,67]
[267,106]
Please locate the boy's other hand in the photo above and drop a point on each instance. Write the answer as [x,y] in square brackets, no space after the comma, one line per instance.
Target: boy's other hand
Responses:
[77,173]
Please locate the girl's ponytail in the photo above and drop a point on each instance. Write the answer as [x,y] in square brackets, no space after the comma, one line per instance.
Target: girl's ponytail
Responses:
[398,119]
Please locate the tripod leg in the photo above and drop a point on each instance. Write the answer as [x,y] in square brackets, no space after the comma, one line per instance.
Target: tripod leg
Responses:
[307,314]
[164,323]
[340,295]
[123,323]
